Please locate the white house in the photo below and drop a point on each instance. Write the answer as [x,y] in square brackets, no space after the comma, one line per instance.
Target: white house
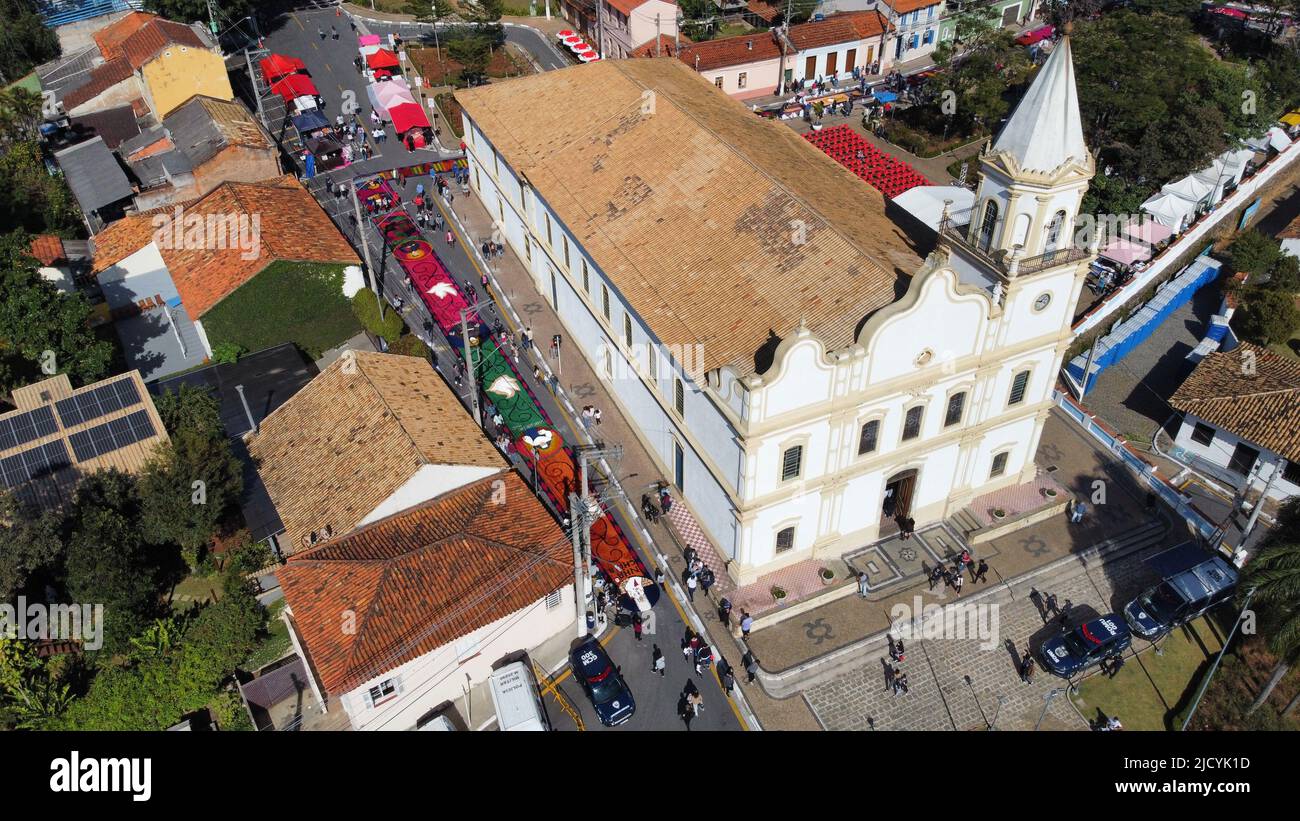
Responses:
[627,24]
[405,613]
[1241,420]
[798,365]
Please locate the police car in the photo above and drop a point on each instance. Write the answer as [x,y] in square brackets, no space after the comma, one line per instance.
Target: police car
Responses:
[1192,582]
[602,682]
[1077,649]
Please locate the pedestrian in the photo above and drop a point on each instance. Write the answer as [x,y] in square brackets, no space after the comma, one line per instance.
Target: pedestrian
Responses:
[1050,605]
[1065,611]
[596,415]
[902,653]
[864,584]
[746,624]
[659,576]
[1027,668]
[724,612]
[658,664]
[691,584]
[703,658]
[1113,724]
[706,579]
[483,280]
[636,626]
[321,32]
[890,673]
[451,238]
[956,582]
[688,649]
[689,554]
[900,683]
[751,666]
[936,575]
[729,682]
[526,337]
[587,416]
[334,33]
[696,700]
[485,249]
[980,572]
[893,647]
[685,712]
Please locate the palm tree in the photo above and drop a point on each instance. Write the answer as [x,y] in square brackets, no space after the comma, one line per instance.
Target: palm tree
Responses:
[1275,574]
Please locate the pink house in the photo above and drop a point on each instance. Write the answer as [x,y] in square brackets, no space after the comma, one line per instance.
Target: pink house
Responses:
[630,23]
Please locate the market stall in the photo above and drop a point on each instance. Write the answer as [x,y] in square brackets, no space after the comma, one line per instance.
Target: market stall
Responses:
[277,65]
[311,124]
[1170,210]
[328,153]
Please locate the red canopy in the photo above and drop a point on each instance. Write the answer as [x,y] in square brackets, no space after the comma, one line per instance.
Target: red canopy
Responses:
[382,59]
[407,116]
[277,65]
[294,86]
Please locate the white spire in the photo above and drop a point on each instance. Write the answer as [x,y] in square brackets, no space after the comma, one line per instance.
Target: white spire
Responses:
[1046,130]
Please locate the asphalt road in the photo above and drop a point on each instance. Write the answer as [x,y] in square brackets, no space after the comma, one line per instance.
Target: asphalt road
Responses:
[330,63]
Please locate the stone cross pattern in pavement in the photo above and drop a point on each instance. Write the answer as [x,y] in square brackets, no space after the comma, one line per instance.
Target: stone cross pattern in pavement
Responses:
[940,699]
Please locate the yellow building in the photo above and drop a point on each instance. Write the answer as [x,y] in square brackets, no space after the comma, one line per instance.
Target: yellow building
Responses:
[180,72]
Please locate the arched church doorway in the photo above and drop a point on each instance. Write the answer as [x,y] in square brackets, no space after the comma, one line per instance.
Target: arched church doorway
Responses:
[897,501]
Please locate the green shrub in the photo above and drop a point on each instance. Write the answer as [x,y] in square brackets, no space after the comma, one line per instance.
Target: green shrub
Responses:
[365,305]
[410,345]
[227,353]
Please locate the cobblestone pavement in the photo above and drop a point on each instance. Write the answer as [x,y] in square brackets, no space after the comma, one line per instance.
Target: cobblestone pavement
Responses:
[940,698]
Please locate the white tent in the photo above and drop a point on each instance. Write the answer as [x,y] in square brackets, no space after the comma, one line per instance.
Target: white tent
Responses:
[926,202]
[1277,138]
[1234,162]
[1217,177]
[1191,189]
[1170,210]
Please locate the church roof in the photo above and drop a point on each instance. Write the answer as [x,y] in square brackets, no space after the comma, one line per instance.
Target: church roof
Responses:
[1045,131]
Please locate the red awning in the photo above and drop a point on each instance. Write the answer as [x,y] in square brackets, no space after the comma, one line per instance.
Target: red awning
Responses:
[277,66]
[407,116]
[294,86]
[382,59]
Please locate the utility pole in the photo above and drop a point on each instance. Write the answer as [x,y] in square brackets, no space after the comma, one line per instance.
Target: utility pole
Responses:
[257,92]
[659,49]
[365,246]
[677,35]
[576,527]
[1259,505]
[586,505]
[781,36]
[469,362]
[600,28]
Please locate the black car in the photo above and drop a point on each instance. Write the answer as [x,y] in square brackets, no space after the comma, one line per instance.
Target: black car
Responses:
[1193,580]
[1079,648]
[602,682]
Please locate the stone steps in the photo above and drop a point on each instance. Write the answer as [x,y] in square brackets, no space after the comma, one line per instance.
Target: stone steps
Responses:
[965,523]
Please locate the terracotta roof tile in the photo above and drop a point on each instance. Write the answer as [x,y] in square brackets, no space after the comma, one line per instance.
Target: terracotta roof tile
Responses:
[47,249]
[1291,231]
[1259,403]
[102,78]
[343,444]
[156,35]
[909,6]
[661,47]
[626,6]
[764,11]
[110,37]
[730,51]
[423,578]
[688,210]
[292,227]
[839,28]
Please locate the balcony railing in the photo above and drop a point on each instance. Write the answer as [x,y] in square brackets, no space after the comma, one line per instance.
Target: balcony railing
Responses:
[1002,262]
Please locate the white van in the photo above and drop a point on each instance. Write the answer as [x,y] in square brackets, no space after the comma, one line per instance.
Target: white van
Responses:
[515,696]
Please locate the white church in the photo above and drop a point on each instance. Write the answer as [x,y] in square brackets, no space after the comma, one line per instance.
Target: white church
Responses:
[803,367]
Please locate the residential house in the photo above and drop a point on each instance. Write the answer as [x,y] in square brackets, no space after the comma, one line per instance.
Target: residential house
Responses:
[1006,13]
[162,271]
[802,390]
[97,180]
[55,261]
[629,23]
[373,435]
[200,145]
[745,66]
[435,595]
[582,15]
[915,27]
[1290,238]
[1241,420]
[58,435]
[835,46]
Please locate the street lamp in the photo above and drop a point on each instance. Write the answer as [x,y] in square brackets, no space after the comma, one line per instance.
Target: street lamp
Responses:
[978,706]
[1047,702]
[1001,700]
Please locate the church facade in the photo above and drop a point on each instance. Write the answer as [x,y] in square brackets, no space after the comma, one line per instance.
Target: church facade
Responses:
[803,368]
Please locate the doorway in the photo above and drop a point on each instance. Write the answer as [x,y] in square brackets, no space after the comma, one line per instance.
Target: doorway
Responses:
[897,501]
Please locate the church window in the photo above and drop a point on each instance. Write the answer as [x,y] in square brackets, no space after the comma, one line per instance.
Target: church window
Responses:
[784,539]
[999,464]
[987,225]
[869,436]
[956,404]
[791,463]
[1018,387]
[912,423]
[1054,232]
[679,397]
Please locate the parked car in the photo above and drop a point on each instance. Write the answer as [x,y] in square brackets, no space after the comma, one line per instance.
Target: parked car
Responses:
[1193,580]
[602,682]
[1078,648]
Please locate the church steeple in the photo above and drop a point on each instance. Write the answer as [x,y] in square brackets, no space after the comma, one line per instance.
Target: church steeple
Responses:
[1034,174]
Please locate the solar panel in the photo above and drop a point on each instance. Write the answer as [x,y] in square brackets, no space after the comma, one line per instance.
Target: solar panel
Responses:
[43,418]
[13,471]
[84,407]
[23,428]
[33,463]
[111,436]
[7,439]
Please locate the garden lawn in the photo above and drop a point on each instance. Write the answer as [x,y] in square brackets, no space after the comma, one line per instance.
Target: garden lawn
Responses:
[275,644]
[298,302]
[1150,689]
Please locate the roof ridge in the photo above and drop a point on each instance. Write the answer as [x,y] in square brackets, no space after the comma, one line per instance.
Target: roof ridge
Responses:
[384,399]
[1254,395]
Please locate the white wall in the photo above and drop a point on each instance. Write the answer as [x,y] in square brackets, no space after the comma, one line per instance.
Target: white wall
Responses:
[1219,453]
[429,481]
[440,675]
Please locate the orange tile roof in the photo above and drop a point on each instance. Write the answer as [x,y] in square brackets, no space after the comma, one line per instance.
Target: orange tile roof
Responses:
[154,36]
[421,579]
[730,51]
[1261,404]
[661,47]
[47,249]
[102,78]
[764,11]
[628,6]
[110,37]
[907,6]
[1291,231]
[343,444]
[292,227]
[839,28]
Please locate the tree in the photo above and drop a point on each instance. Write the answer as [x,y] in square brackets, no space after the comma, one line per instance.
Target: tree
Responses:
[481,12]
[42,330]
[1284,277]
[33,200]
[1170,8]
[431,11]
[1253,252]
[30,689]
[108,560]
[193,480]
[31,544]
[189,11]
[25,41]
[1268,316]
[20,114]
[981,79]
[473,53]
[1274,573]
